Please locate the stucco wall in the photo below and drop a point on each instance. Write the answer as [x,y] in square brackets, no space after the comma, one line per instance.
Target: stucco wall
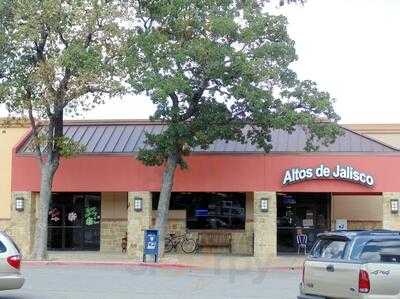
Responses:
[361,211]
[114,205]
[8,138]
[113,226]
[357,207]
[209,173]
[387,133]
[391,139]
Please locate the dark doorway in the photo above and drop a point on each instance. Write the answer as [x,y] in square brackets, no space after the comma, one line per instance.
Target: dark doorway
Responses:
[308,213]
[74,221]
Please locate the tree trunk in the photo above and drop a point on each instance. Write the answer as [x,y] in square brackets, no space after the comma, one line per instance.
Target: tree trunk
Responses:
[40,243]
[165,196]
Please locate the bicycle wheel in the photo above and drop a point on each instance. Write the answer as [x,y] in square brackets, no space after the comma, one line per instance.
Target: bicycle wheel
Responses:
[188,245]
[168,245]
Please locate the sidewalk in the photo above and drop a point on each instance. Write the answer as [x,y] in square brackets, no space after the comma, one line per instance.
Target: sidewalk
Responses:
[201,261]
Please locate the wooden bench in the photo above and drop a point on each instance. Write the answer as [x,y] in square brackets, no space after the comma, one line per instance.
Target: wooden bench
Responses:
[215,239]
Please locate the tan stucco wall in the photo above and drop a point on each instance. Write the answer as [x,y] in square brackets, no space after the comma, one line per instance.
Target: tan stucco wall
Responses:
[387,133]
[357,207]
[361,211]
[390,139]
[113,226]
[114,205]
[8,138]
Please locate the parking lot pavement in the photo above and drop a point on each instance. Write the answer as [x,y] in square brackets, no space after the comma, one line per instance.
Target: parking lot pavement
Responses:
[43,282]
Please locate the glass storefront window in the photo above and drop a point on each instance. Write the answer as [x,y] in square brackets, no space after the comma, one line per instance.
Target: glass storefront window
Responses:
[209,210]
[74,221]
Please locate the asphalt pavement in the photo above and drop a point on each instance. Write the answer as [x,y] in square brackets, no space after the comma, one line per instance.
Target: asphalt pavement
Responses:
[45,282]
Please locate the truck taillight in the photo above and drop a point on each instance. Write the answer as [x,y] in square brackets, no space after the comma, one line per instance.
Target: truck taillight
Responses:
[14,261]
[363,282]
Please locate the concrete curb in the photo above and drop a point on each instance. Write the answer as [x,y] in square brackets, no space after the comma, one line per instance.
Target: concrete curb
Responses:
[149,265]
[104,263]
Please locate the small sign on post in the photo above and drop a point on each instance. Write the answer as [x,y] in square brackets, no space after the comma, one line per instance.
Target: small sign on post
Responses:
[151,242]
[341,224]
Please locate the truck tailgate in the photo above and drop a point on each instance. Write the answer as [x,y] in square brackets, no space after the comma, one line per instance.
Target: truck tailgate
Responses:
[384,279]
[334,279]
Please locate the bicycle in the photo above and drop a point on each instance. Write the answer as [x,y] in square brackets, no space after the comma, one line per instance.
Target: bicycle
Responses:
[187,245]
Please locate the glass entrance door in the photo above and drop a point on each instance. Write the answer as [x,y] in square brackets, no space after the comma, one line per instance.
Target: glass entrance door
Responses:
[305,213]
[74,222]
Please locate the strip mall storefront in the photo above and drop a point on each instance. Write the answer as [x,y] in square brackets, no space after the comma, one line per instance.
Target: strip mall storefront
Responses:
[262,200]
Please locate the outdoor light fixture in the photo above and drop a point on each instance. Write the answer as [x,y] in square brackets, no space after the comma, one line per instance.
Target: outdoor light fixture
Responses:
[264,204]
[138,204]
[394,206]
[19,204]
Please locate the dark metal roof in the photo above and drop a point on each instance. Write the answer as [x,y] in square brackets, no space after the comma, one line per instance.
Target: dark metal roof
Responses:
[128,137]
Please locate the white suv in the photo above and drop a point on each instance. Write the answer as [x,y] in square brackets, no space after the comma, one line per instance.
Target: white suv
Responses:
[10,264]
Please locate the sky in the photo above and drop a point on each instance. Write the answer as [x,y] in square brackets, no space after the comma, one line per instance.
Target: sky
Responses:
[351,48]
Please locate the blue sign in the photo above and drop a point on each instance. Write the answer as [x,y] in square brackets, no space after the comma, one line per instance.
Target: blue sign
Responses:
[151,241]
[289,200]
[201,213]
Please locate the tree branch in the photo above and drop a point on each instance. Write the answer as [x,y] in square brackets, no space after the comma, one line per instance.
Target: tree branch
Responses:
[63,40]
[82,91]
[88,39]
[34,127]
[194,103]
[42,43]
[62,89]
[175,100]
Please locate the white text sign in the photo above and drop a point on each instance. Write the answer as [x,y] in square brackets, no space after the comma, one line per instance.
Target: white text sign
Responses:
[340,172]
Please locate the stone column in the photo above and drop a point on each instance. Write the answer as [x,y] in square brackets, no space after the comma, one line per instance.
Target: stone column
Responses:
[137,223]
[265,230]
[389,219]
[23,222]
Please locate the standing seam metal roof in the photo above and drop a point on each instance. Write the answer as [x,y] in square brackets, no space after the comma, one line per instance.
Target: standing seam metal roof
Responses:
[129,137]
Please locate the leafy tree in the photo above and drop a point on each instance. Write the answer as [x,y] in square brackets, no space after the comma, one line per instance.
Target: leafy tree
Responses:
[287,2]
[218,69]
[57,56]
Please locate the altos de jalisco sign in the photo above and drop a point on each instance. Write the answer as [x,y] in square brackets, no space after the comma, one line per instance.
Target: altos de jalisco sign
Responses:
[340,172]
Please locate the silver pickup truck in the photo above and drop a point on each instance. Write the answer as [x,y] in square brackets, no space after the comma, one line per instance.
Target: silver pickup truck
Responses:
[353,264]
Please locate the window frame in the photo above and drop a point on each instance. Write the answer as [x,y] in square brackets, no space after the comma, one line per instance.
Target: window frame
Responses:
[3,247]
[221,203]
[320,257]
[380,240]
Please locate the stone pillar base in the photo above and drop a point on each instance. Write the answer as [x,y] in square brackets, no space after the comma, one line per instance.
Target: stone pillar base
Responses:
[23,223]
[138,221]
[390,220]
[265,229]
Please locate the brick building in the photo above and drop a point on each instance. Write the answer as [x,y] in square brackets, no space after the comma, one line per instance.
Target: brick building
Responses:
[262,200]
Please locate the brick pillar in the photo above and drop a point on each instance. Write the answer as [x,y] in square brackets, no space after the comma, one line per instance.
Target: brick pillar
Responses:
[23,223]
[137,223]
[390,220]
[265,231]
